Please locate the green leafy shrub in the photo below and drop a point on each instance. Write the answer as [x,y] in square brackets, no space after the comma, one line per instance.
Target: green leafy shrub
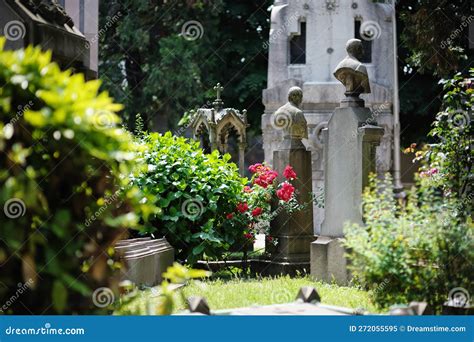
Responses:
[423,249]
[448,162]
[62,186]
[195,191]
[414,251]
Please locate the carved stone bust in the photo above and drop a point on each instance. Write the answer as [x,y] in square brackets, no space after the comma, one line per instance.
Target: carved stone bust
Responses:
[351,72]
[290,117]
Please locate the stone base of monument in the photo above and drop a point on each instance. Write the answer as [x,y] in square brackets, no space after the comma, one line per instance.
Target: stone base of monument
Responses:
[144,260]
[328,261]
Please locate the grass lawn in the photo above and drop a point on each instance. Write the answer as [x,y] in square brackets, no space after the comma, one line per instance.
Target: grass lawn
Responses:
[234,293]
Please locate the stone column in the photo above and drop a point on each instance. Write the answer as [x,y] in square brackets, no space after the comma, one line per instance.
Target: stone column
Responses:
[351,140]
[242,147]
[213,136]
[294,232]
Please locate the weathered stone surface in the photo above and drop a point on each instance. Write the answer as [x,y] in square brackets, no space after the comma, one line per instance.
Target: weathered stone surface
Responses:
[45,23]
[215,125]
[324,50]
[144,259]
[350,151]
[308,294]
[421,308]
[328,262]
[350,146]
[351,72]
[294,231]
[198,305]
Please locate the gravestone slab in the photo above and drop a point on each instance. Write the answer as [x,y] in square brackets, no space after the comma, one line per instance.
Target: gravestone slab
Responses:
[144,259]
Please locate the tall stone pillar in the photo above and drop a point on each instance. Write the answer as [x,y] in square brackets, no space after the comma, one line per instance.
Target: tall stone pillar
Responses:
[294,232]
[242,147]
[351,139]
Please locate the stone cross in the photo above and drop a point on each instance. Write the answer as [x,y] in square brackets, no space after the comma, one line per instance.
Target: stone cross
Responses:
[218,88]
[218,103]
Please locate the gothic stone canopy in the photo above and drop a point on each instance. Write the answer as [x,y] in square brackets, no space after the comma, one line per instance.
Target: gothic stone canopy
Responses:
[218,123]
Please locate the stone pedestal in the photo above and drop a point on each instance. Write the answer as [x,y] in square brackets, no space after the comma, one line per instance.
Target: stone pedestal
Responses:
[327,260]
[352,137]
[294,231]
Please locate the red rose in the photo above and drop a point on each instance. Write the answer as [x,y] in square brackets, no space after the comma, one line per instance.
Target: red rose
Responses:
[230,216]
[242,207]
[289,173]
[248,236]
[253,168]
[258,168]
[257,211]
[285,192]
[265,179]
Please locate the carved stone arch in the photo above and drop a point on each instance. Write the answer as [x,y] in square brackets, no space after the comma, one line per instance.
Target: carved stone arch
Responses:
[233,121]
[223,133]
[201,133]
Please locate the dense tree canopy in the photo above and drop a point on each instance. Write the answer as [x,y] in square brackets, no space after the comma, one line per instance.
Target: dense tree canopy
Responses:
[433,44]
[162,58]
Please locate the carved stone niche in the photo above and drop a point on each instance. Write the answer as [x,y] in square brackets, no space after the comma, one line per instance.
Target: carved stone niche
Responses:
[214,127]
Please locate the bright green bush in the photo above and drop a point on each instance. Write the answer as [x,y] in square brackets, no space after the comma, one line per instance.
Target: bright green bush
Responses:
[62,163]
[415,251]
[195,192]
[423,249]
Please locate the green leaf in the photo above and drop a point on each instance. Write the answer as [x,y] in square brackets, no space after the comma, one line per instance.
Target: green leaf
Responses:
[59,296]
[198,249]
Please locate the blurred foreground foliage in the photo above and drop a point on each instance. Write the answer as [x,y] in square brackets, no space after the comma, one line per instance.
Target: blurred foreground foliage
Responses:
[64,175]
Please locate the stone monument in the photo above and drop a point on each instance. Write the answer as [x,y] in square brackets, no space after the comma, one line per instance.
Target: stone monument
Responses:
[294,231]
[46,23]
[306,42]
[213,127]
[350,145]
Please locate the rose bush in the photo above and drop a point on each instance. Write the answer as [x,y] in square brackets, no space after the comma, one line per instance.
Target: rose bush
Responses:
[254,213]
